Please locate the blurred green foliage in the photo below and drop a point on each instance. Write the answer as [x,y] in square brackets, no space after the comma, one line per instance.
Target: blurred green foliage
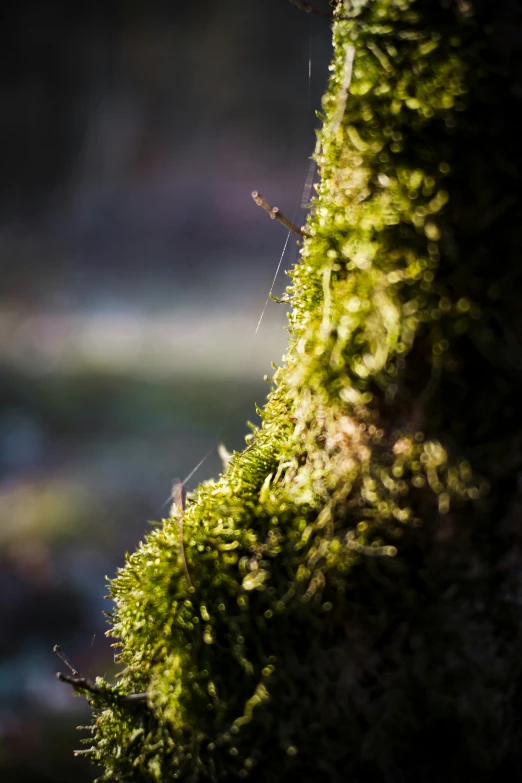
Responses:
[86,461]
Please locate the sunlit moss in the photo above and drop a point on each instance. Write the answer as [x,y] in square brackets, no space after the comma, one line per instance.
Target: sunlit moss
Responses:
[347,615]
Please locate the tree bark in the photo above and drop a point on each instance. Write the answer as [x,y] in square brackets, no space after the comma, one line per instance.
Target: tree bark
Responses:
[354,612]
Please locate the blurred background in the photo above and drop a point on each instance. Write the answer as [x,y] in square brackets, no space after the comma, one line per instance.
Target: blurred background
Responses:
[134,269]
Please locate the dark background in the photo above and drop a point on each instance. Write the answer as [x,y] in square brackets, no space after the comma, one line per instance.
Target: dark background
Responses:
[134,269]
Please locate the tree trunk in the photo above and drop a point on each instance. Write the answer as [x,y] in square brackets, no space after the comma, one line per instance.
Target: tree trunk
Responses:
[343,604]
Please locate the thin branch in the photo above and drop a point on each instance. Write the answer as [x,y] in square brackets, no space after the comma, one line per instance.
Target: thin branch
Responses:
[276,214]
[308,8]
[178,496]
[132,697]
[78,680]
[76,674]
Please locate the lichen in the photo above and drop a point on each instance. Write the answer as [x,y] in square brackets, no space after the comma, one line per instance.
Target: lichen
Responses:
[352,605]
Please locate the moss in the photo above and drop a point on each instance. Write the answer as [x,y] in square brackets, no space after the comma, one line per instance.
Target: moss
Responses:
[351,608]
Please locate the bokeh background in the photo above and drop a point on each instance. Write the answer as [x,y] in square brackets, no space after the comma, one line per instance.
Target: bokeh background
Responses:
[134,269]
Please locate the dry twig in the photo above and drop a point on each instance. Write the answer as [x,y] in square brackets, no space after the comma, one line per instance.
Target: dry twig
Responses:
[276,214]
[178,496]
[78,680]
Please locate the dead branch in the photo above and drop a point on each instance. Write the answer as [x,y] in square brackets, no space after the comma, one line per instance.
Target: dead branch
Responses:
[78,680]
[276,214]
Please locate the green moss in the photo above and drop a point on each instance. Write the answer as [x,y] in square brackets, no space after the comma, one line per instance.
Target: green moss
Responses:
[350,608]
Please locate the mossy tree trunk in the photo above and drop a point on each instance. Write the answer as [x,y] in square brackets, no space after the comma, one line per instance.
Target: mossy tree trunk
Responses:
[352,610]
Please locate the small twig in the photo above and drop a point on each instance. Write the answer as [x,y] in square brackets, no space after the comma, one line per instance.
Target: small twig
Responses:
[132,697]
[80,682]
[77,680]
[77,675]
[276,214]
[178,496]
[308,8]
